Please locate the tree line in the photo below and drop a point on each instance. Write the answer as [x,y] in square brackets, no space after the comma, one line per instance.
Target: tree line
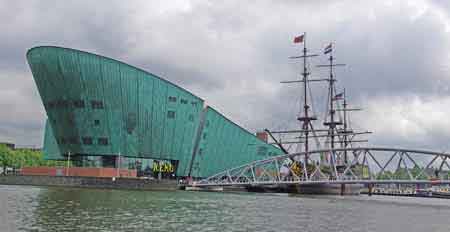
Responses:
[19,158]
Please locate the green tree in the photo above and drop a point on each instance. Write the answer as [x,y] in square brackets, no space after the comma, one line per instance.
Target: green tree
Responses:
[24,158]
[386,175]
[416,171]
[6,157]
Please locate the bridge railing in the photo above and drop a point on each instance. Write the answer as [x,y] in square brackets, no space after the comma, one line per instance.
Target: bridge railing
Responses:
[349,165]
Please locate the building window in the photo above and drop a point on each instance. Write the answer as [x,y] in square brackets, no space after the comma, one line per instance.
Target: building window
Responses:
[97,104]
[87,140]
[171,114]
[207,123]
[70,120]
[103,141]
[74,140]
[78,103]
[183,101]
[96,122]
[62,141]
[62,104]
[172,99]
[261,150]
[50,105]
[204,135]
[194,103]
[200,151]
[191,117]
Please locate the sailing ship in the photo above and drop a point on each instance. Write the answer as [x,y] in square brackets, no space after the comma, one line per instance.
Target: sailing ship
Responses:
[334,131]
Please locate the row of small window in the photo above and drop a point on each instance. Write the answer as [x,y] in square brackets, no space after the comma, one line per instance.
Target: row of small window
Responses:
[182,101]
[95,104]
[71,121]
[171,114]
[261,150]
[85,140]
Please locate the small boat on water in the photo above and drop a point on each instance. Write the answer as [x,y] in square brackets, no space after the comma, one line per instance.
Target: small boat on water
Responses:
[440,192]
[424,193]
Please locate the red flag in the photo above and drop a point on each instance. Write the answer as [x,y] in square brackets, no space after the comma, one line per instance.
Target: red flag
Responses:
[299,39]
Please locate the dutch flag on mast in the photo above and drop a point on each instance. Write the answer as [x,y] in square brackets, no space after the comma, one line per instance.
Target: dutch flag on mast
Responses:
[299,39]
[328,49]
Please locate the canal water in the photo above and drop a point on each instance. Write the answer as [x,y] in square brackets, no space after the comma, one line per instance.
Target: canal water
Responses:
[25,208]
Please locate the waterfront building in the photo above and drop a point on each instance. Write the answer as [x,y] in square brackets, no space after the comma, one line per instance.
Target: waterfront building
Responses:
[105,113]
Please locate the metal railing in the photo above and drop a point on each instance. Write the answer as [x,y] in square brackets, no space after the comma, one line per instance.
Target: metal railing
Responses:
[362,165]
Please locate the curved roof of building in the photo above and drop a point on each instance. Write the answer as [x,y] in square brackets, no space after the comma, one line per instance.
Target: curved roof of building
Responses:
[109,59]
[136,68]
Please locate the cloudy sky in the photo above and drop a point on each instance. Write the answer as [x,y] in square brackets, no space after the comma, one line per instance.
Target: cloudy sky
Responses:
[233,54]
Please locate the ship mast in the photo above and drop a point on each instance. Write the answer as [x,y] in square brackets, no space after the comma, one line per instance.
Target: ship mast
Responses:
[344,104]
[332,96]
[346,131]
[305,119]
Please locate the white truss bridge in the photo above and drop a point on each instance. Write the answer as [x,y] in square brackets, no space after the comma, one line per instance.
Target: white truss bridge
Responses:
[361,165]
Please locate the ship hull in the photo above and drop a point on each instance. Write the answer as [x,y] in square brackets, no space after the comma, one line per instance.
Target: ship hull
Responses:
[330,189]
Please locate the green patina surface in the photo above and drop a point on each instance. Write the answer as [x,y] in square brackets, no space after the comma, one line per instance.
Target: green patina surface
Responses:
[99,106]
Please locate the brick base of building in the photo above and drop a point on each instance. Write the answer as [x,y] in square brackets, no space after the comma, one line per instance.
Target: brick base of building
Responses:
[90,182]
[78,171]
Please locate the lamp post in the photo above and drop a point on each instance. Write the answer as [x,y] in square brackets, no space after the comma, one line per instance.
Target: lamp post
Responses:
[118,165]
[68,164]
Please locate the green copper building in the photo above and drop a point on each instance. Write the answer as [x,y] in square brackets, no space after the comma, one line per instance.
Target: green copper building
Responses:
[102,112]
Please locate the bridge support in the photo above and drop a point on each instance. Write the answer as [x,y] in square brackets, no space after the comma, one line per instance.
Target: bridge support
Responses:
[370,186]
[342,189]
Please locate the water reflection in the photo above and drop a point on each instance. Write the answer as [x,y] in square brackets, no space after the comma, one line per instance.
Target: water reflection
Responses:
[58,209]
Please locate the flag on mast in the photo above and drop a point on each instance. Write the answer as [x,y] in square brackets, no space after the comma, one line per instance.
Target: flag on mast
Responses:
[328,49]
[299,39]
[338,96]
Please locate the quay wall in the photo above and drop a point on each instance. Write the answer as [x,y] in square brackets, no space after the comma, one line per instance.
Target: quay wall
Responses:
[90,182]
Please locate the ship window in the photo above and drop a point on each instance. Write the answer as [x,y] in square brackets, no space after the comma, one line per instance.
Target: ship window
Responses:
[172,99]
[171,114]
[96,122]
[87,140]
[103,141]
[96,104]
[78,103]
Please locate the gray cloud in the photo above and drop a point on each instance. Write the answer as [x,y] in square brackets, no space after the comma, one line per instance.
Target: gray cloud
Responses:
[234,55]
